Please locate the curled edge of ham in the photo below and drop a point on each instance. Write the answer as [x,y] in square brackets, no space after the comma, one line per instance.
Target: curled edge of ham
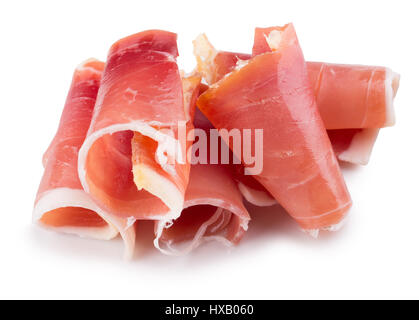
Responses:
[224,211]
[63,197]
[360,148]
[67,197]
[392,83]
[171,195]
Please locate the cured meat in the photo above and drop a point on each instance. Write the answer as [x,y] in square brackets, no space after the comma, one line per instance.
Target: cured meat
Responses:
[140,101]
[344,94]
[61,204]
[299,167]
[213,209]
[350,145]
[354,96]
[348,96]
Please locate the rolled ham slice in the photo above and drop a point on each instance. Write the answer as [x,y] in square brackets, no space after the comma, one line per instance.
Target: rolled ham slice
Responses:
[61,204]
[272,92]
[348,96]
[350,145]
[213,208]
[126,162]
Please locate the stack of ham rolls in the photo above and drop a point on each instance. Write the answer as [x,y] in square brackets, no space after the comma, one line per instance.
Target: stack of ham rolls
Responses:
[122,152]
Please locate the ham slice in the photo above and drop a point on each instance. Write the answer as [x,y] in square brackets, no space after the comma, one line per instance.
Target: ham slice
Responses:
[61,204]
[125,163]
[354,96]
[352,145]
[300,169]
[213,208]
[348,96]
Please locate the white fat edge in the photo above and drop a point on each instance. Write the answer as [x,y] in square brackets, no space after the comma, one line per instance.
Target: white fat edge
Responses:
[314,233]
[187,91]
[82,66]
[186,247]
[182,249]
[130,222]
[361,146]
[274,40]
[159,186]
[391,86]
[240,64]
[66,197]
[225,216]
[205,54]
[256,197]
[332,228]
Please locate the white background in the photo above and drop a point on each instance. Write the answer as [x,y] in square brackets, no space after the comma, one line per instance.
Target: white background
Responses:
[374,256]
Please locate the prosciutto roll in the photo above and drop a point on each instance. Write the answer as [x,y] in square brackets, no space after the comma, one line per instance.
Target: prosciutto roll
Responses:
[272,92]
[61,204]
[352,145]
[129,160]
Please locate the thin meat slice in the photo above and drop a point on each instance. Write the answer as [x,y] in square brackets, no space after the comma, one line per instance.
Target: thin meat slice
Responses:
[272,92]
[340,92]
[127,161]
[348,96]
[213,209]
[61,204]
[354,96]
